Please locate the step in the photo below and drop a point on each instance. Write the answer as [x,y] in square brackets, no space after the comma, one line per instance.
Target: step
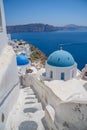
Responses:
[38,106]
[30,101]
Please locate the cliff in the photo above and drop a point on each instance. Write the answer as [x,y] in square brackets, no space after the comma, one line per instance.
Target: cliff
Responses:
[38,27]
[37,55]
[31,28]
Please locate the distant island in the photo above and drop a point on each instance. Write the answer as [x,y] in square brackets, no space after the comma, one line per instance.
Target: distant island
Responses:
[38,27]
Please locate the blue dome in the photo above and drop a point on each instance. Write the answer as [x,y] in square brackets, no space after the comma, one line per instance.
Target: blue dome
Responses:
[22,59]
[61,58]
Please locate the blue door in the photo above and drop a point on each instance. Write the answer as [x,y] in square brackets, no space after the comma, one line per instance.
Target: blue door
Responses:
[51,74]
[62,76]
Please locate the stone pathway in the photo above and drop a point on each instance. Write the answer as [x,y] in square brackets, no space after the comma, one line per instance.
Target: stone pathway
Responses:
[27,113]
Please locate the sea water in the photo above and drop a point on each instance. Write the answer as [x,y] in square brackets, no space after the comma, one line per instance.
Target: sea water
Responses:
[48,42]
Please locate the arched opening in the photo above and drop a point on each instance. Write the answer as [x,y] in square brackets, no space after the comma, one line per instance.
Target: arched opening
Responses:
[51,74]
[86,74]
[72,73]
[62,76]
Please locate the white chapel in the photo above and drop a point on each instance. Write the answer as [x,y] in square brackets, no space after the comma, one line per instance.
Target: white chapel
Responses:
[61,66]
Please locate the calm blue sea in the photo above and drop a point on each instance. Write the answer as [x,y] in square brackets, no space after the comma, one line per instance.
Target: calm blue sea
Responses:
[74,42]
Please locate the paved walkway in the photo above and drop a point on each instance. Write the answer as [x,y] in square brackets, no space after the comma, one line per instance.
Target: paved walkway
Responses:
[28,113]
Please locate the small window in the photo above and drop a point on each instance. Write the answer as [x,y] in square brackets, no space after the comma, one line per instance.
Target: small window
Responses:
[85,73]
[72,73]
[51,74]
[62,76]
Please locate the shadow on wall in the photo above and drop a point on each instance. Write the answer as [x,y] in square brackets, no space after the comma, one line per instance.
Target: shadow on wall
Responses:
[28,125]
[85,86]
[44,123]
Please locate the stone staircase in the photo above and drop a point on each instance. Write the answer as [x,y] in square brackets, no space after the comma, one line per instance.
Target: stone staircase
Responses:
[28,113]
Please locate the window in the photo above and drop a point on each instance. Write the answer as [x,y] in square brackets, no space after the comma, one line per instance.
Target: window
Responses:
[51,74]
[72,73]
[62,76]
[85,73]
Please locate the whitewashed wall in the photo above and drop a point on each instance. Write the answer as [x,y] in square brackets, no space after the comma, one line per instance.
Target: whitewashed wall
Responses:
[58,70]
[65,115]
[3,41]
[9,81]
[9,84]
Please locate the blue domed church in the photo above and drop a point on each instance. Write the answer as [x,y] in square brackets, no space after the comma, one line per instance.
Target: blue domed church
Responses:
[22,59]
[60,66]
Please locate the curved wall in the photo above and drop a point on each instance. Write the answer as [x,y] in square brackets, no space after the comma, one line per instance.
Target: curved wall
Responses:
[69,72]
[65,115]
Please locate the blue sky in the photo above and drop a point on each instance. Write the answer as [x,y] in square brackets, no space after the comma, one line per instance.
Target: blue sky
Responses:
[54,12]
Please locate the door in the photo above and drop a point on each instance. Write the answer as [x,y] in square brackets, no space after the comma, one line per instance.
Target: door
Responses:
[51,74]
[62,76]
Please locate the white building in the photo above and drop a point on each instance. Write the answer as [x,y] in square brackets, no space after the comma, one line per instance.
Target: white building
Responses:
[61,66]
[84,72]
[62,91]
[9,81]
[64,97]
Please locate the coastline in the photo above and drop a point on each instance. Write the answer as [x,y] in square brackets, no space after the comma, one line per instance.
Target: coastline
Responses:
[36,56]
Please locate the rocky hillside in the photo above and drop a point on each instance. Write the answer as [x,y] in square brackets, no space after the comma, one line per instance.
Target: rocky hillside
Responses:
[31,28]
[37,55]
[38,27]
